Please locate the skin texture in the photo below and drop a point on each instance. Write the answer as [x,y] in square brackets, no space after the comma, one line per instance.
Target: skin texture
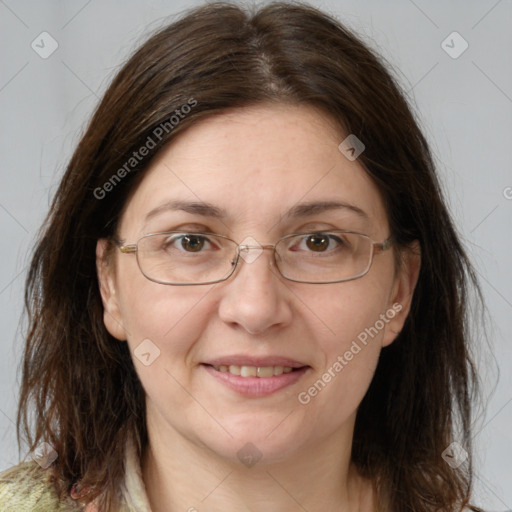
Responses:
[256,163]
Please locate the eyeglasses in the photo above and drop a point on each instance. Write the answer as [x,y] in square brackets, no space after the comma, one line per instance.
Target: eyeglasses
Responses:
[185,258]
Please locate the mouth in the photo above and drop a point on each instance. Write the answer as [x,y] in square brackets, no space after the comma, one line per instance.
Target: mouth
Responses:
[262,372]
[259,379]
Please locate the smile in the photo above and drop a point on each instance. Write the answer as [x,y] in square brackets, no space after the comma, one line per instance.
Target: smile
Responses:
[255,381]
[254,371]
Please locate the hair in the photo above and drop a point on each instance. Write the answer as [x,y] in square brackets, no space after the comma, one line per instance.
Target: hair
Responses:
[81,382]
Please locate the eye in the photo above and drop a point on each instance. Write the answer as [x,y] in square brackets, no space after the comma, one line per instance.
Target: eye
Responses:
[321,242]
[188,242]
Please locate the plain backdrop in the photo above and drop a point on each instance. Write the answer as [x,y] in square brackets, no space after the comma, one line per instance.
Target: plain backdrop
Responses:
[463,99]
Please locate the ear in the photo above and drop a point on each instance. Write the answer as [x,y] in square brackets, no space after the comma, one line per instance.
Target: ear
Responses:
[112,317]
[402,292]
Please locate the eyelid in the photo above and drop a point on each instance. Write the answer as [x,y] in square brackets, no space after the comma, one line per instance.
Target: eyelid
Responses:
[324,229]
[305,229]
[189,228]
[297,232]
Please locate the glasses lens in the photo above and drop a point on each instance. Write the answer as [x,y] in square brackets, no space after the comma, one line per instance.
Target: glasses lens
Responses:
[185,258]
[201,258]
[324,257]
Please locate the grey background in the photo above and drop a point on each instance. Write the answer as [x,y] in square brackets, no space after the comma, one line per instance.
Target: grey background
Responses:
[464,105]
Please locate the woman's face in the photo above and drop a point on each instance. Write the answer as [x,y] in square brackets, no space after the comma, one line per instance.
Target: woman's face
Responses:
[256,165]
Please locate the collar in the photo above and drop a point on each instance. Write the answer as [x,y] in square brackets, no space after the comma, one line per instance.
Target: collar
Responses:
[132,489]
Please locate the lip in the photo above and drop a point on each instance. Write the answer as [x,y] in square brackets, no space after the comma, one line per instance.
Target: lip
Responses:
[256,387]
[244,360]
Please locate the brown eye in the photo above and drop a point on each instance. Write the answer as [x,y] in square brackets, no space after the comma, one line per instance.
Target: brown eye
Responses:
[186,242]
[192,243]
[317,242]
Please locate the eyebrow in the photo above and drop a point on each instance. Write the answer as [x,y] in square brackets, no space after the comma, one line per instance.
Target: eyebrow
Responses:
[298,211]
[194,207]
[316,207]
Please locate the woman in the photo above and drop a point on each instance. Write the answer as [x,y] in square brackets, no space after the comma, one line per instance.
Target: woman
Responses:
[248,294]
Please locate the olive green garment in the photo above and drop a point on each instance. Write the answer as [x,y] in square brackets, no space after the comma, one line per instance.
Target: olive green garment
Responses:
[27,488]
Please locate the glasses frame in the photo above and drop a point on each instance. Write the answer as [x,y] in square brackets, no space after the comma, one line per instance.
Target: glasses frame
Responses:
[376,248]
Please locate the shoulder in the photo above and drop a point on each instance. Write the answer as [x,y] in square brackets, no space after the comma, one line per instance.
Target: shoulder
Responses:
[28,487]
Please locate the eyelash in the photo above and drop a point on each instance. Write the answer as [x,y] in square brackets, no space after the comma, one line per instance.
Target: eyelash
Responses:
[202,228]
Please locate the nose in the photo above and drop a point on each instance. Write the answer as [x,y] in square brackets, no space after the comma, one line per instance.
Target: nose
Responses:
[256,298]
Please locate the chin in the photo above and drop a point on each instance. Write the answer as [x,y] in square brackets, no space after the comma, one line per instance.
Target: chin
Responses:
[260,442]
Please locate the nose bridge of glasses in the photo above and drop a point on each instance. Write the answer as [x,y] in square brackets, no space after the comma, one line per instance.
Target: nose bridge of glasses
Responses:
[244,247]
[247,256]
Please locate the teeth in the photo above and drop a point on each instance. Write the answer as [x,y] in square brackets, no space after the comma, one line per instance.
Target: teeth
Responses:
[235,370]
[254,371]
[278,370]
[249,371]
[265,371]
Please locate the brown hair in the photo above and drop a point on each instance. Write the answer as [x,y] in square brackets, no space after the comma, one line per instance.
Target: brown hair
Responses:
[81,381]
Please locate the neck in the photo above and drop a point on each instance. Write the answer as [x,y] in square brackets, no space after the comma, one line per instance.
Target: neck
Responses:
[181,476]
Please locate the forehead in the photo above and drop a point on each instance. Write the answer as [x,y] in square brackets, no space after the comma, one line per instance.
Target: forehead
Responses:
[255,164]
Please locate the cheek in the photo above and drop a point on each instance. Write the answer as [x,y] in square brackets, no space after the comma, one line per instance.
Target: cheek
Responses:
[165,322]
[349,311]
[336,390]
[171,317]
[354,320]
